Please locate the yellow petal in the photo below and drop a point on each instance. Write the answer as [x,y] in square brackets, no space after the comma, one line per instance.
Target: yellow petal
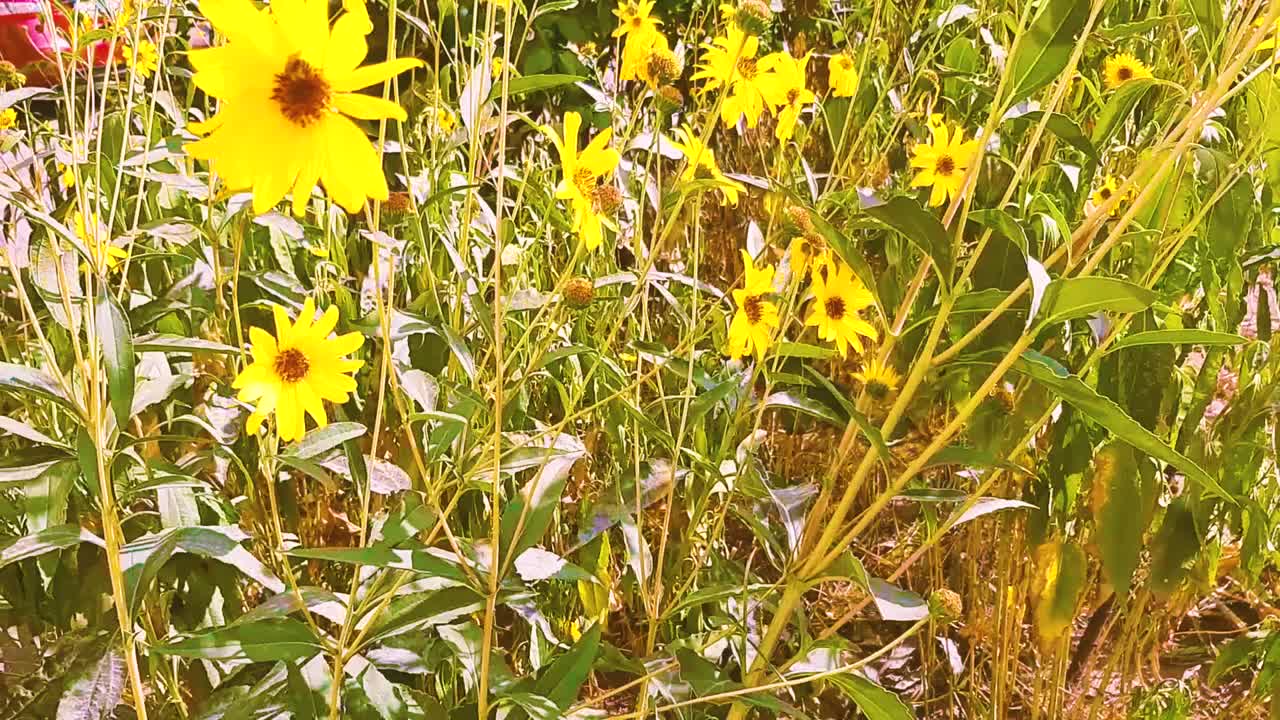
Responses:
[368,107]
[363,77]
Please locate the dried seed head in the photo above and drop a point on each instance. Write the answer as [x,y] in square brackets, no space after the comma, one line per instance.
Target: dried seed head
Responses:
[579,291]
[397,204]
[606,199]
[800,218]
[753,16]
[662,66]
[946,605]
[10,77]
[669,98]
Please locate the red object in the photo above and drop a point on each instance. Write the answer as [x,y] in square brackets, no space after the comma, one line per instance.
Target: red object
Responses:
[27,41]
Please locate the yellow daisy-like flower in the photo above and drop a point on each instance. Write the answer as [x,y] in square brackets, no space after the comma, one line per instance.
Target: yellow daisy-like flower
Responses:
[806,249]
[635,18]
[1121,68]
[700,162]
[639,28]
[8,118]
[842,75]
[143,59]
[285,83]
[581,173]
[495,68]
[729,62]
[446,121]
[788,91]
[66,176]
[660,65]
[877,378]
[97,238]
[838,297]
[942,162]
[1108,189]
[752,327]
[293,373]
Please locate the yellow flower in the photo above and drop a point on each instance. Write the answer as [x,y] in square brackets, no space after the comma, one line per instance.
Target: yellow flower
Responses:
[700,162]
[838,296]
[1120,69]
[877,378]
[1105,191]
[808,248]
[496,66]
[297,370]
[143,60]
[660,65]
[285,83]
[842,75]
[730,62]
[66,176]
[787,91]
[581,176]
[1271,43]
[751,330]
[446,121]
[97,239]
[640,29]
[942,162]
[8,118]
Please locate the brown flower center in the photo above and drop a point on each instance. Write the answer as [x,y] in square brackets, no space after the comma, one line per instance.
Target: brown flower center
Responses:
[834,307]
[1105,193]
[1124,73]
[605,199]
[301,92]
[846,63]
[753,306]
[747,66]
[636,22]
[585,180]
[945,165]
[291,365]
[793,95]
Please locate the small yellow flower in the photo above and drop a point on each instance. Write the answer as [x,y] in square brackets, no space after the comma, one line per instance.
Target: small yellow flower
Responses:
[1120,69]
[286,84]
[1108,189]
[639,29]
[700,162]
[293,373]
[729,61]
[838,297]
[942,162]
[97,238]
[788,90]
[842,75]
[495,68]
[877,378]
[446,121]
[8,118]
[143,60]
[66,176]
[635,18]
[752,327]
[806,249]
[581,173]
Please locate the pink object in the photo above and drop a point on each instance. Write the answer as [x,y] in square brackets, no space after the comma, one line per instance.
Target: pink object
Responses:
[27,41]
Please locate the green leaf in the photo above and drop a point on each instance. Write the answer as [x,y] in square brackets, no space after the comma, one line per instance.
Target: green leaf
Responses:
[918,226]
[528,515]
[160,342]
[25,379]
[1043,50]
[1068,298]
[430,562]
[874,701]
[262,640]
[142,558]
[561,681]
[801,403]
[1109,415]
[58,537]
[1207,338]
[1067,130]
[892,602]
[1061,573]
[96,690]
[1175,543]
[117,354]
[1118,514]
[46,495]
[322,440]
[532,83]
[1118,108]
[1002,223]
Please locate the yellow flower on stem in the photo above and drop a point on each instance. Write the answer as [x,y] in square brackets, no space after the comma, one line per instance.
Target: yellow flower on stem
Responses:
[295,372]
[660,66]
[446,121]
[8,118]
[942,162]
[1120,69]
[729,62]
[838,297]
[96,237]
[788,91]
[635,18]
[581,173]
[842,75]
[752,327]
[143,59]
[286,83]
[639,29]
[1107,190]
[877,378]
[700,163]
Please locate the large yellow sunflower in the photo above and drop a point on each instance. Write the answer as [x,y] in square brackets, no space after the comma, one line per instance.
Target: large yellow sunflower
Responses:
[700,162]
[842,75]
[729,61]
[942,162]
[639,29]
[297,370]
[285,86]
[1109,187]
[838,296]
[581,173]
[751,330]
[1120,69]
[788,92]
[877,378]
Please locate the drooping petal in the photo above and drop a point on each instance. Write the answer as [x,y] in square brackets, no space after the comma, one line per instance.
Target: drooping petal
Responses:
[363,77]
[368,107]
